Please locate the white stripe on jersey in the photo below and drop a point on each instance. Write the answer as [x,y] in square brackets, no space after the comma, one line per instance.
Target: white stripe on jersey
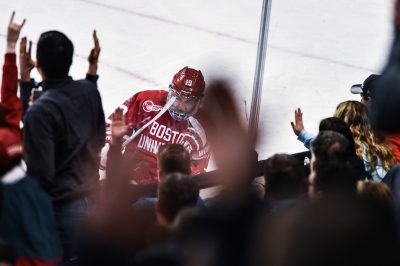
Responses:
[199,129]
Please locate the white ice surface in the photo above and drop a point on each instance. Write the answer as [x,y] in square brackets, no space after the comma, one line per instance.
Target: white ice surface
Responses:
[317,49]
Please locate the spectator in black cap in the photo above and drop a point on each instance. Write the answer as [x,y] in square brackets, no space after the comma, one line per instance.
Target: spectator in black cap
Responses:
[385,108]
[366,89]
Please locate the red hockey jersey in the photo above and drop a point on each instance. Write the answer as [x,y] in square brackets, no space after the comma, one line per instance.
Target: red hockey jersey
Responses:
[191,133]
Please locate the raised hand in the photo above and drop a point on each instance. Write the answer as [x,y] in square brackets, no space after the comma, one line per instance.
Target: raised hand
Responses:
[94,55]
[26,63]
[231,146]
[118,126]
[298,125]
[13,32]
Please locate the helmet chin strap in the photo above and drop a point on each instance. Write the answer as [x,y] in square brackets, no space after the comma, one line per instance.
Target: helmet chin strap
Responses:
[167,105]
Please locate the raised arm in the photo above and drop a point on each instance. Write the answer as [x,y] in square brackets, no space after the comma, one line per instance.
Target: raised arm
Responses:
[10,104]
[26,65]
[129,107]
[93,59]
[13,32]
[298,129]
[115,162]
[297,125]
[25,60]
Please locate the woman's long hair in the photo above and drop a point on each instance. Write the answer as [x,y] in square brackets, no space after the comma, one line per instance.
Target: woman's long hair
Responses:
[355,115]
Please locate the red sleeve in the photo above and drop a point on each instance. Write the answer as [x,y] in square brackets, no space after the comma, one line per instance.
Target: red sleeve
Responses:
[9,86]
[132,111]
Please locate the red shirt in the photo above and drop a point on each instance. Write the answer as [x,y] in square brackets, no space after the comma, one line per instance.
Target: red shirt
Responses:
[394,142]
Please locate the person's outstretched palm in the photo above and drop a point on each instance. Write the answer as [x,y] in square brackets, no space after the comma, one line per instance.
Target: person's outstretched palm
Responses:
[298,125]
[95,52]
[25,60]
[118,126]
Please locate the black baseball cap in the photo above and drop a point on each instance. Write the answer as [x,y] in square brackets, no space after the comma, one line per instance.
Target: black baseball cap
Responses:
[367,87]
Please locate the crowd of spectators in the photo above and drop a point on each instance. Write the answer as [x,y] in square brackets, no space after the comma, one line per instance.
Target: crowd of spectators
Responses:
[339,204]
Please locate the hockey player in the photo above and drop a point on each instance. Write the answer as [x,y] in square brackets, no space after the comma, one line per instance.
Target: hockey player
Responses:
[158,117]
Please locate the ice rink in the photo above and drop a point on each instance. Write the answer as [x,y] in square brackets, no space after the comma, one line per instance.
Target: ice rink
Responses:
[317,49]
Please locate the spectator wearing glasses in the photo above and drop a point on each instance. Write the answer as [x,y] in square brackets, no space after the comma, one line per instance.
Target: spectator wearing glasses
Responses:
[159,117]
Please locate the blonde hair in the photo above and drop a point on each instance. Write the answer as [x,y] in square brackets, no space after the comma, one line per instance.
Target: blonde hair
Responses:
[355,115]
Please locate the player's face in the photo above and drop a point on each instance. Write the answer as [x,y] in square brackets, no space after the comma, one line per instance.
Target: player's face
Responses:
[184,106]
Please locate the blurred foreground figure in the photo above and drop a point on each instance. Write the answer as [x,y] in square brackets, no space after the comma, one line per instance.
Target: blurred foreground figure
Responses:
[333,232]
[225,232]
[161,117]
[385,107]
[378,192]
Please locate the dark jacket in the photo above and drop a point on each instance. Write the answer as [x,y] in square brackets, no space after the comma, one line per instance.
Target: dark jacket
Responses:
[64,131]
[27,220]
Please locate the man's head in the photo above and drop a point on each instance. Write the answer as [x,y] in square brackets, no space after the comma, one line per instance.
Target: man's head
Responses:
[330,145]
[330,171]
[284,176]
[54,55]
[367,88]
[338,125]
[176,191]
[10,150]
[187,87]
[173,158]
